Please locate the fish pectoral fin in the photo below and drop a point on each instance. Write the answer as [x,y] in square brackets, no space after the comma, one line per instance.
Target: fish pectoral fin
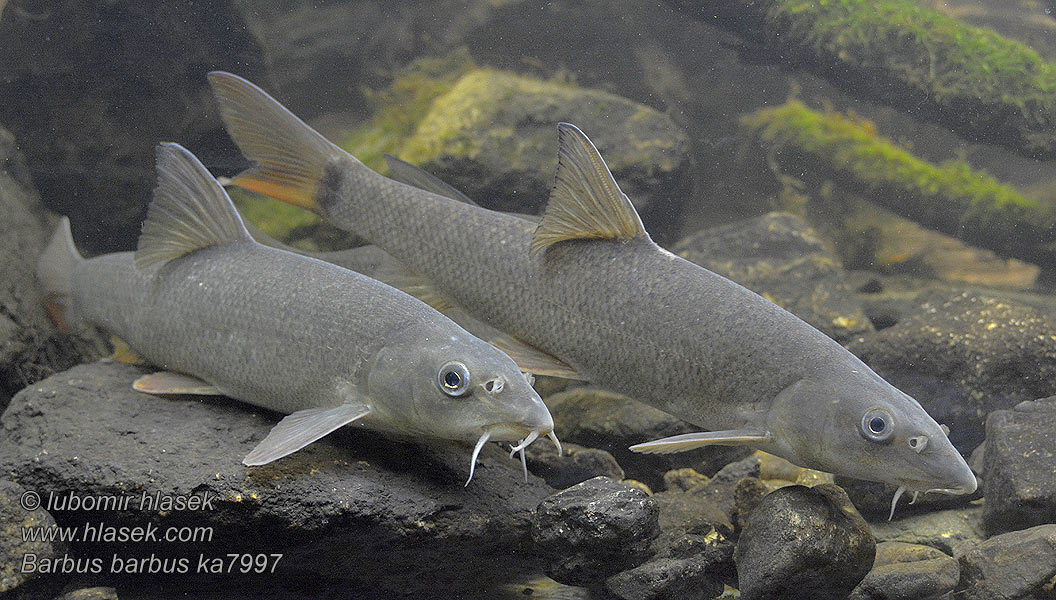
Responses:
[297,430]
[126,355]
[167,382]
[533,360]
[690,441]
[405,172]
[585,202]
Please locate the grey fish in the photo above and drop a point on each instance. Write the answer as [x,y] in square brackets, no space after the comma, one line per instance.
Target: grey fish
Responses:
[327,346]
[587,291]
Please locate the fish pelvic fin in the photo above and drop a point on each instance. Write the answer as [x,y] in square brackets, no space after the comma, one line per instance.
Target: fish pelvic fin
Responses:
[55,274]
[585,201]
[190,210]
[691,441]
[290,156]
[405,172]
[168,382]
[301,428]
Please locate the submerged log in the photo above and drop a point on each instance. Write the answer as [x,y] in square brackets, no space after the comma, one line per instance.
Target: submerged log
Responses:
[985,87]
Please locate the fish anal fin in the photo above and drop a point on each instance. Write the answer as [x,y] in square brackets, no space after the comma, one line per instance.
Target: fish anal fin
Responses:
[691,441]
[533,360]
[585,202]
[168,382]
[404,172]
[301,428]
[126,355]
[189,211]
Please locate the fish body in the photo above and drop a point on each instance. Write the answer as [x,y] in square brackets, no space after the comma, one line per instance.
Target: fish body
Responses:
[587,288]
[289,333]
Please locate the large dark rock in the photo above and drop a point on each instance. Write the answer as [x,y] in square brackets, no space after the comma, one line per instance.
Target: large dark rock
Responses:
[780,257]
[593,530]
[692,557]
[89,88]
[908,572]
[382,513]
[21,559]
[1018,466]
[803,543]
[1012,565]
[965,355]
[31,348]
[612,422]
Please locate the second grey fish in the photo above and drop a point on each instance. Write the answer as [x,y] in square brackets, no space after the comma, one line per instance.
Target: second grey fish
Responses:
[329,347]
[587,291]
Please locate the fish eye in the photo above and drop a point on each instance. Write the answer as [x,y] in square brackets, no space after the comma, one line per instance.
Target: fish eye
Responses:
[877,425]
[453,379]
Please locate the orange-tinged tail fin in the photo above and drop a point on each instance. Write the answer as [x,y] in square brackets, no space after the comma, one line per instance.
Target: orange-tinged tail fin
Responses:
[290,156]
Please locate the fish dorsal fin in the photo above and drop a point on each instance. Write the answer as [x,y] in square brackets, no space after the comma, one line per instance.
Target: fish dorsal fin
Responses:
[412,283]
[405,172]
[533,360]
[585,201]
[190,210]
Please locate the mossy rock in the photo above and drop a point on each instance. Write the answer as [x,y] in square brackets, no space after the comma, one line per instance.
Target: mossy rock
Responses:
[493,135]
[289,224]
[984,86]
[951,197]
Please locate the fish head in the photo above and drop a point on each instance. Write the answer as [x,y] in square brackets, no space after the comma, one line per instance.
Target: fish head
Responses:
[458,387]
[863,427]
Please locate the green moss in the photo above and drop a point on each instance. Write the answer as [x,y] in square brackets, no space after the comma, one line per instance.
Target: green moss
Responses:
[981,84]
[400,107]
[950,197]
[274,217]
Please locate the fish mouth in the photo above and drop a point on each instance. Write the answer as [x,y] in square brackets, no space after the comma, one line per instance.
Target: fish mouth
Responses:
[916,487]
[511,431]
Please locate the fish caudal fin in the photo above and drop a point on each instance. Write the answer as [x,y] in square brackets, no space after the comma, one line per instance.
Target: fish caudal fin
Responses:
[55,274]
[190,210]
[301,428]
[290,156]
[585,201]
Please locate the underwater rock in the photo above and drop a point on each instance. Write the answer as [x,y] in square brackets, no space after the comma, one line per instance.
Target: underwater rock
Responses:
[593,530]
[386,514]
[953,531]
[1018,466]
[1011,565]
[493,136]
[779,257]
[16,578]
[575,465]
[600,419]
[92,593]
[965,355]
[908,572]
[803,543]
[89,88]
[31,348]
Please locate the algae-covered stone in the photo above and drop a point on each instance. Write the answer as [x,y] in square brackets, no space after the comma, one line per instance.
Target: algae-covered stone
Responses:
[1020,564]
[593,530]
[612,422]
[493,136]
[907,572]
[803,543]
[1020,466]
[965,355]
[779,257]
[387,514]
